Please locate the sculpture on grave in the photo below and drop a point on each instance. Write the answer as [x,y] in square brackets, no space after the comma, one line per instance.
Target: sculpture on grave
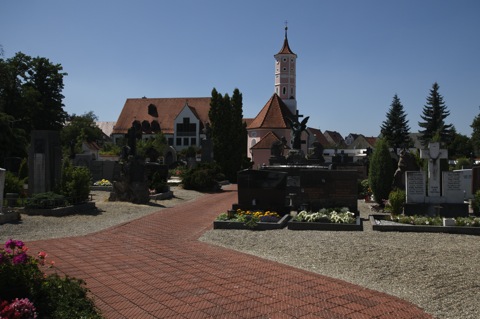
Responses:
[297,129]
[406,162]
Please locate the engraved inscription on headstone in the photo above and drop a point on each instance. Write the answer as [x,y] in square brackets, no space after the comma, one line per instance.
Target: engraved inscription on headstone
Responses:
[415,187]
[452,187]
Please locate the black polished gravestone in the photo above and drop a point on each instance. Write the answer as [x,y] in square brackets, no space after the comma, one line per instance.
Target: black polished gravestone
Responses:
[262,190]
[296,188]
[316,188]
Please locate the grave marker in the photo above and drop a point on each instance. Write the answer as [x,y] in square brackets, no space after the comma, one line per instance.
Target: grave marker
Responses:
[415,187]
[434,154]
[452,187]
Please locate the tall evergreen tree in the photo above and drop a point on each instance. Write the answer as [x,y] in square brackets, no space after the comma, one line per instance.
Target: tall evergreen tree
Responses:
[395,128]
[381,171]
[433,115]
[228,132]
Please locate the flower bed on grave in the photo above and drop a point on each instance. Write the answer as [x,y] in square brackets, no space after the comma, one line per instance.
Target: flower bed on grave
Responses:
[327,219]
[418,223]
[255,220]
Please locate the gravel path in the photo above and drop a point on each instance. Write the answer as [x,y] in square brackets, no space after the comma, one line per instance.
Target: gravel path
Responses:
[438,272]
[109,214]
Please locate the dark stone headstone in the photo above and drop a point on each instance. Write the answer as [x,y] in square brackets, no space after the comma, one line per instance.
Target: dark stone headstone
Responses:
[475,179]
[44,161]
[263,190]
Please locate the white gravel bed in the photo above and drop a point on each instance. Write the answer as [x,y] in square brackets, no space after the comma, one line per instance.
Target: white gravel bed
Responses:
[109,214]
[438,272]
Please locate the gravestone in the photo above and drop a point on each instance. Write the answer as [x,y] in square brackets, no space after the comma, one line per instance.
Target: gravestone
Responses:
[415,187]
[2,187]
[44,161]
[452,187]
[466,181]
[445,196]
[434,154]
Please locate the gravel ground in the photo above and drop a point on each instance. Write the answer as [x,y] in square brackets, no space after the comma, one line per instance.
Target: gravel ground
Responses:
[438,272]
[108,214]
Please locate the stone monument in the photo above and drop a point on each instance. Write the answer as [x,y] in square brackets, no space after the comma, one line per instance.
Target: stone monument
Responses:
[44,161]
[444,196]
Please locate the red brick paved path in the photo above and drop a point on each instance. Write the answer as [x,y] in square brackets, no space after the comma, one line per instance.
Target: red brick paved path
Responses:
[154,267]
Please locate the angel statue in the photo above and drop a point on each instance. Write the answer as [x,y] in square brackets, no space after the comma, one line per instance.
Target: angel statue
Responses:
[297,129]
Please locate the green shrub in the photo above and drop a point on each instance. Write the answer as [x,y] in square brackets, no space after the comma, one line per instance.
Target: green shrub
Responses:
[75,183]
[396,201]
[381,172]
[363,189]
[23,170]
[476,202]
[46,201]
[13,184]
[52,296]
[204,177]
[158,183]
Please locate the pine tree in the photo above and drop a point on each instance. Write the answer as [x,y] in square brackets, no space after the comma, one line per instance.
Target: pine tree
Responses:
[395,128]
[434,114]
[381,170]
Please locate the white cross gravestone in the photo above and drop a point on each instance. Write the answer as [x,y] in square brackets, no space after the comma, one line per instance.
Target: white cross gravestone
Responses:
[434,154]
[2,185]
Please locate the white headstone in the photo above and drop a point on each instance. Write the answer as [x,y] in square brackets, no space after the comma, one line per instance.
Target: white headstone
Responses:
[434,154]
[2,187]
[467,176]
[415,186]
[452,187]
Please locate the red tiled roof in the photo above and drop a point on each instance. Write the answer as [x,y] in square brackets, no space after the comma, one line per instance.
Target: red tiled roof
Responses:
[273,115]
[267,141]
[371,140]
[167,110]
[319,137]
[336,137]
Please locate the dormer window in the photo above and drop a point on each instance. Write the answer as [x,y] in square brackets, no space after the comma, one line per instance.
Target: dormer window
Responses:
[152,110]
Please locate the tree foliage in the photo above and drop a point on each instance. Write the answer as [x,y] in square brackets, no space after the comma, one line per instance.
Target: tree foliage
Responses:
[433,115]
[475,140]
[79,129]
[30,99]
[395,128]
[228,132]
[381,170]
[459,146]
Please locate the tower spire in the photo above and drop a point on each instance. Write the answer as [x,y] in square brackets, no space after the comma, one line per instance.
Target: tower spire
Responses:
[285,78]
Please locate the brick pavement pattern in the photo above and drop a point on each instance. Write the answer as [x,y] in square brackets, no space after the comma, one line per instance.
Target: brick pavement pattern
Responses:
[154,267]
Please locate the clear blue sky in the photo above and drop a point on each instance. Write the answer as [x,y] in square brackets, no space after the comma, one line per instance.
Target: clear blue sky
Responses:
[353,56]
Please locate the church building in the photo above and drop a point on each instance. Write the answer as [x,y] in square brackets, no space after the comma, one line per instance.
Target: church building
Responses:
[273,122]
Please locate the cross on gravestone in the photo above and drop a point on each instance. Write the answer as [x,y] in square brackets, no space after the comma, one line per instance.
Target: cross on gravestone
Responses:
[434,154]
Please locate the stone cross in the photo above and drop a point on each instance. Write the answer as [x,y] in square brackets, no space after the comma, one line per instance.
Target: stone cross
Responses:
[2,185]
[433,154]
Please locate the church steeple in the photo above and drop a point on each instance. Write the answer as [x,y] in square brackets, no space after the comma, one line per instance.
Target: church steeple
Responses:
[285,74]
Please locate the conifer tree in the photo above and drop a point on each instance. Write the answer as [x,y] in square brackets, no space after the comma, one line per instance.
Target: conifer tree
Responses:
[476,134]
[433,115]
[395,128]
[381,170]
[228,132]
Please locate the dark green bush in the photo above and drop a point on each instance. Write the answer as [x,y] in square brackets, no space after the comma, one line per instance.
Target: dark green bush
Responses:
[363,189]
[76,181]
[380,176]
[396,201]
[476,202]
[46,201]
[64,297]
[158,183]
[12,184]
[204,177]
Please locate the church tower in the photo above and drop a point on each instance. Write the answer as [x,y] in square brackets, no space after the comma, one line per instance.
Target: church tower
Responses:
[285,75]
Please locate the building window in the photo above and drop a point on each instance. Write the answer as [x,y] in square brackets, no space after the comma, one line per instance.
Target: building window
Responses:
[179,141]
[193,141]
[284,59]
[186,128]
[170,141]
[284,90]
[185,141]
[284,69]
